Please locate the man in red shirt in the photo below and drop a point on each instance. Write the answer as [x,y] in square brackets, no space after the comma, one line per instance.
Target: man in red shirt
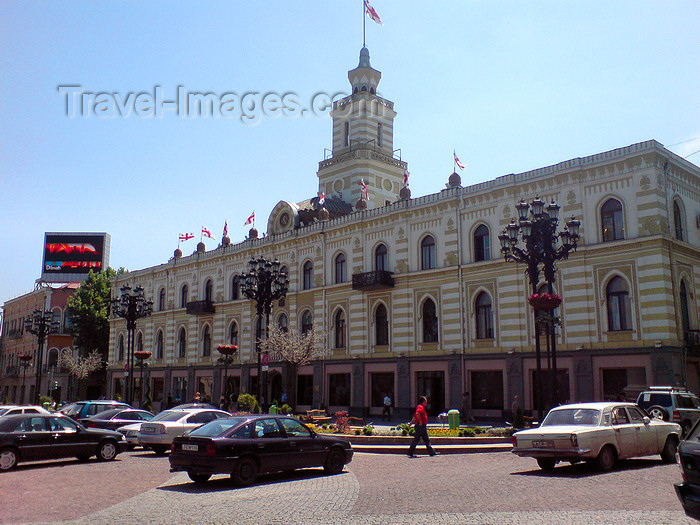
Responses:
[420,421]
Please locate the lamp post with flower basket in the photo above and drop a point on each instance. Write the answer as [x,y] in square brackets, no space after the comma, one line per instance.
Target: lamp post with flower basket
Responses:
[24,362]
[141,356]
[537,229]
[226,359]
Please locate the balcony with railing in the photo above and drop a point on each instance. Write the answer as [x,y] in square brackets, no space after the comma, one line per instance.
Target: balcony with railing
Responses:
[372,280]
[692,341]
[204,307]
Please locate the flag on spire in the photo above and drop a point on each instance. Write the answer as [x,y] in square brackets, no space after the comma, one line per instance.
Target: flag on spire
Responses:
[457,161]
[372,13]
[186,236]
[364,189]
[405,176]
[250,220]
[206,233]
[225,228]
[322,199]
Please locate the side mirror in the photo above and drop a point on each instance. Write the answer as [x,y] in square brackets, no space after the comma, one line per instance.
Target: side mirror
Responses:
[647,420]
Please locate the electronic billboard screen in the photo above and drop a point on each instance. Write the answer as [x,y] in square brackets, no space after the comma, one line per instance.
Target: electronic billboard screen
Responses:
[69,257]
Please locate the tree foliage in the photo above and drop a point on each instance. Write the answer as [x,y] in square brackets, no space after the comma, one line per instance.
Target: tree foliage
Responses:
[88,312]
[80,367]
[295,347]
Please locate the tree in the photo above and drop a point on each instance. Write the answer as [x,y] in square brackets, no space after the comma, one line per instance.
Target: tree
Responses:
[297,348]
[80,367]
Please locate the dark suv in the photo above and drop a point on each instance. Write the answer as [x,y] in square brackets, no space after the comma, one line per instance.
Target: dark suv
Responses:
[671,403]
[82,409]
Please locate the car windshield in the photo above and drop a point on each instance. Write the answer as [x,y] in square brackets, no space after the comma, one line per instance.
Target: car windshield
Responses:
[71,410]
[170,415]
[572,416]
[3,410]
[106,414]
[217,427]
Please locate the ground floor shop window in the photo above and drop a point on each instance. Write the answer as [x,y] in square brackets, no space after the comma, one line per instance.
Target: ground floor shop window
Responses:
[487,389]
[382,384]
[118,389]
[180,390]
[339,389]
[157,390]
[432,386]
[305,390]
[204,385]
[616,379]
[545,388]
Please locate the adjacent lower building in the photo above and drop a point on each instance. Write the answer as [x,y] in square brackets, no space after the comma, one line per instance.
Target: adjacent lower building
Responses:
[414,295]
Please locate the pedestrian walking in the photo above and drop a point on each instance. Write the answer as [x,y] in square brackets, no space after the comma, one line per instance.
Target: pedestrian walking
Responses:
[420,422]
[386,414]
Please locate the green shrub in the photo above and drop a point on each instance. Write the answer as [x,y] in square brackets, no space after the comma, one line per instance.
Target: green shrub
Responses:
[406,429]
[519,418]
[358,431]
[468,432]
[285,409]
[248,403]
[368,430]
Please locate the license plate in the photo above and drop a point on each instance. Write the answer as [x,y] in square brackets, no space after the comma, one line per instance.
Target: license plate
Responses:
[545,443]
[193,448]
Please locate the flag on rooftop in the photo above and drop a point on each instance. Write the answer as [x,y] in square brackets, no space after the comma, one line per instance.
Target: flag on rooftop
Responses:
[372,13]
[458,163]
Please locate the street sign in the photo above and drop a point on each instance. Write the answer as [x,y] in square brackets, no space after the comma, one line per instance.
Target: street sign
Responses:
[264,368]
[265,359]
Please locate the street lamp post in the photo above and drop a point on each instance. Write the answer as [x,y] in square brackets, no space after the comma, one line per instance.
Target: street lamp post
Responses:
[40,323]
[226,360]
[142,355]
[263,283]
[24,360]
[537,228]
[131,305]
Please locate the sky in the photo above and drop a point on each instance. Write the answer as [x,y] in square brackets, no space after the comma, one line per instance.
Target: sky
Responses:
[510,86]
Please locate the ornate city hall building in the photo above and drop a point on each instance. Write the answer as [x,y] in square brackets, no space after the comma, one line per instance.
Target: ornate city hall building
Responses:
[414,294]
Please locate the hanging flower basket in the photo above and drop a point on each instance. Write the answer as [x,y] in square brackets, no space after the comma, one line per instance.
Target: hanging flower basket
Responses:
[544,301]
[25,358]
[227,349]
[142,354]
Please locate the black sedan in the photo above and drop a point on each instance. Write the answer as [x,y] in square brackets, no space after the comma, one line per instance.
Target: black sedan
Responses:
[688,456]
[31,437]
[117,417]
[245,446]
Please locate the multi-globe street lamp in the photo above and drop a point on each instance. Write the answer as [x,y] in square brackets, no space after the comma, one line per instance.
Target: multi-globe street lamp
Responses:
[264,283]
[227,352]
[131,305]
[41,323]
[24,362]
[537,228]
[142,355]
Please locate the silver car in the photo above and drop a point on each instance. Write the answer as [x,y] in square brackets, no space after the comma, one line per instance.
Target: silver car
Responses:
[158,433]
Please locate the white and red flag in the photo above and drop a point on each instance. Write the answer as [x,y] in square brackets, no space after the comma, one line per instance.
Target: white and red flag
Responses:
[372,13]
[186,236]
[458,163]
[225,228]
[364,189]
[250,220]
[322,199]
[405,176]
[206,233]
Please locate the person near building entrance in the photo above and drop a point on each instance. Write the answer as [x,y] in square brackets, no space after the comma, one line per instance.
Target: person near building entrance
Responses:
[386,414]
[420,422]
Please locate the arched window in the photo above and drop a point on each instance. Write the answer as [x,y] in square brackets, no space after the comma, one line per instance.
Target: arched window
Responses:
[206,341]
[381,258]
[53,358]
[430,322]
[139,342]
[120,348]
[233,334]
[339,325]
[208,291]
[283,323]
[381,324]
[340,268]
[184,291]
[618,299]
[484,316]
[182,343]
[482,245]
[307,322]
[678,220]
[235,287]
[611,219]
[379,135]
[159,345]
[685,311]
[346,141]
[161,299]
[308,272]
[428,256]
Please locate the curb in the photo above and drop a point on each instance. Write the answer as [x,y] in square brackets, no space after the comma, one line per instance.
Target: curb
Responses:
[442,449]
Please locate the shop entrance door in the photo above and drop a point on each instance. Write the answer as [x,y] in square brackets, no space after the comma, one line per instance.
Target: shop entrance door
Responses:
[432,386]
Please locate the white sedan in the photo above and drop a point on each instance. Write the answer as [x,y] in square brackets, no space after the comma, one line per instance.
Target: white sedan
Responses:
[158,433]
[597,432]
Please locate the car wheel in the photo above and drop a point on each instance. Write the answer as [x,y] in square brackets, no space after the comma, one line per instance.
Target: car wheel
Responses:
[159,449]
[8,458]
[546,463]
[606,459]
[199,478]
[668,454]
[335,461]
[658,413]
[107,451]
[245,472]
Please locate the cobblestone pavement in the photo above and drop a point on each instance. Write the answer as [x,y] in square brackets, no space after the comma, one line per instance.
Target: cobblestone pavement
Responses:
[388,489]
